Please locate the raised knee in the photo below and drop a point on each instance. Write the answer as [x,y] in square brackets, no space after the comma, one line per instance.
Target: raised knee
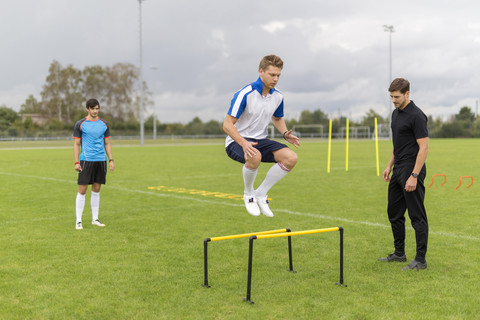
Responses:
[290,161]
[254,162]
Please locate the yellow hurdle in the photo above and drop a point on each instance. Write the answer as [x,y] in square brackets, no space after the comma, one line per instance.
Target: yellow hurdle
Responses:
[289,235]
[246,235]
[296,233]
[234,236]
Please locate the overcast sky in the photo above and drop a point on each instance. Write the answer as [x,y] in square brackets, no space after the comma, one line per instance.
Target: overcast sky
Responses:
[336,53]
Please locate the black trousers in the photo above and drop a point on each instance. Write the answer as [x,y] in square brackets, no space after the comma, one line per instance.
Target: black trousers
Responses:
[400,200]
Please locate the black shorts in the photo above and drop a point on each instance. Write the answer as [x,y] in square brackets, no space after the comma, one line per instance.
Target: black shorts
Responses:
[92,172]
[265,146]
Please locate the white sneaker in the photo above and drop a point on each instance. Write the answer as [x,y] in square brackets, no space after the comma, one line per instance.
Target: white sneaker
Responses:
[251,205]
[98,223]
[79,226]
[263,204]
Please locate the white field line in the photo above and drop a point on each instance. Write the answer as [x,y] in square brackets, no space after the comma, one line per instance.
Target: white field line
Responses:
[217,203]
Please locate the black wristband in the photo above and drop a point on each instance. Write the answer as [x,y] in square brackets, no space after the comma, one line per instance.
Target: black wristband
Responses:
[284,135]
[110,160]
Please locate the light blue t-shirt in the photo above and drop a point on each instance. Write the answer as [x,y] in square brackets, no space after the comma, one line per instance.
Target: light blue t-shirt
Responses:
[92,135]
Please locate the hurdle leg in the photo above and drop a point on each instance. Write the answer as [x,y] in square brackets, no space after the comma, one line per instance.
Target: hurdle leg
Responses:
[341,258]
[205,263]
[249,277]
[290,259]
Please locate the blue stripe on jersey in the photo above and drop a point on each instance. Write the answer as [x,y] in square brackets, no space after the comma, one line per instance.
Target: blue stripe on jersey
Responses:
[239,102]
[279,112]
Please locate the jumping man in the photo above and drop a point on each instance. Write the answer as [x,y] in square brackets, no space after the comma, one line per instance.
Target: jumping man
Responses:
[246,124]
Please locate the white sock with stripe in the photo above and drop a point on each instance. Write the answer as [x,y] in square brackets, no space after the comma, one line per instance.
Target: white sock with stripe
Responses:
[249,176]
[80,204]
[275,174]
[95,204]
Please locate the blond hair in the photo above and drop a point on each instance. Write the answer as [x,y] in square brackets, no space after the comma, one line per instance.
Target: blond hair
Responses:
[270,60]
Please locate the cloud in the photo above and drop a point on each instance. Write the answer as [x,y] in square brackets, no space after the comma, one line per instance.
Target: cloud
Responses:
[336,53]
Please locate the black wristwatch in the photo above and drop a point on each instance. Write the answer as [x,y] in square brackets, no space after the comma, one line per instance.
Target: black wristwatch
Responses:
[415,175]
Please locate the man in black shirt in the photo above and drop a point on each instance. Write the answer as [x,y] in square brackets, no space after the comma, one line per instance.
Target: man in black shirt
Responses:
[406,189]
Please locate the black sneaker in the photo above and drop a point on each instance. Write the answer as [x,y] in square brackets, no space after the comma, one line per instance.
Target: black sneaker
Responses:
[415,265]
[394,258]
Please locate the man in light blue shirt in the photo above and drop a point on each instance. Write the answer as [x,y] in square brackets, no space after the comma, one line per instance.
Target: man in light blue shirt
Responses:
[92,141]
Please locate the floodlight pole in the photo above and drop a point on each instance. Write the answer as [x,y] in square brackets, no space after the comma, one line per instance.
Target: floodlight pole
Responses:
[390,30]
[153,68]
[142,129]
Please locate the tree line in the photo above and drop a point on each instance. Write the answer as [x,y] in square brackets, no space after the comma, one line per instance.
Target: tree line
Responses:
[118,87]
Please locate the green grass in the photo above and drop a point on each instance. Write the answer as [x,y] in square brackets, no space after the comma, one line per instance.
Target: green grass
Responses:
[148,262]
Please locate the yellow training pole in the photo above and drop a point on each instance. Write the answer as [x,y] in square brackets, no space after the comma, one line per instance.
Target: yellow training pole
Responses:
[329,145]
[296,233]
[346,152]
[376,146]
[245,235]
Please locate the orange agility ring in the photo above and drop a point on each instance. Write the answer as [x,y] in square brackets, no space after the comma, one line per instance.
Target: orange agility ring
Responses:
[433,178]
[460,182]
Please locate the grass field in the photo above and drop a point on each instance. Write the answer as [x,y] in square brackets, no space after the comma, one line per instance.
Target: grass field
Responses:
[163,201]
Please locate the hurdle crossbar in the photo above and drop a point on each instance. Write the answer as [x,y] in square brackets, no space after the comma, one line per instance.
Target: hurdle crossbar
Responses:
[289,235]
[238,236]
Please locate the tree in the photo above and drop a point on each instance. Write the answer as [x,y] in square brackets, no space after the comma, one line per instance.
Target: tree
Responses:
[213,127]
[320,117]
[462,125]
[94,83]
[368,119]
[8,115]
[119,82]
[465,114]
[66,90]
[31,105]
[316,117]
[61,93]
[194,127]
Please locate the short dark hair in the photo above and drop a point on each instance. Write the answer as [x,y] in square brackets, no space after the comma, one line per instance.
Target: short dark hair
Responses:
[92,103]
[400,84]
[270,60]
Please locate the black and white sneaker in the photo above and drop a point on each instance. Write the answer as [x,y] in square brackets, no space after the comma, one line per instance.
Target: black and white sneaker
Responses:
[98,223]
[79,226]
[251,205]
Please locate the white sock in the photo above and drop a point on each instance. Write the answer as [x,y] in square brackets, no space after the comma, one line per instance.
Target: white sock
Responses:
[275,174]
[80,204]
[95,204]
[249,176]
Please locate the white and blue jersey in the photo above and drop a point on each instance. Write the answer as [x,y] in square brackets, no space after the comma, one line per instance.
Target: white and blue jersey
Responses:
[92,135]
[254,111]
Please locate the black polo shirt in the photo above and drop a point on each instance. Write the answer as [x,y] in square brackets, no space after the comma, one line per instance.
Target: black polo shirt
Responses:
[408,125]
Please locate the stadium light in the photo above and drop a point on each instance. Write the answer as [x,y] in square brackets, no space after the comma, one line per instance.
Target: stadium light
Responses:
[142,129]
[153,68]
[390,30]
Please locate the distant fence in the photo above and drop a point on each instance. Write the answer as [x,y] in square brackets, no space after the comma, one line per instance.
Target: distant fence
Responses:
[67,141]
[52,142]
